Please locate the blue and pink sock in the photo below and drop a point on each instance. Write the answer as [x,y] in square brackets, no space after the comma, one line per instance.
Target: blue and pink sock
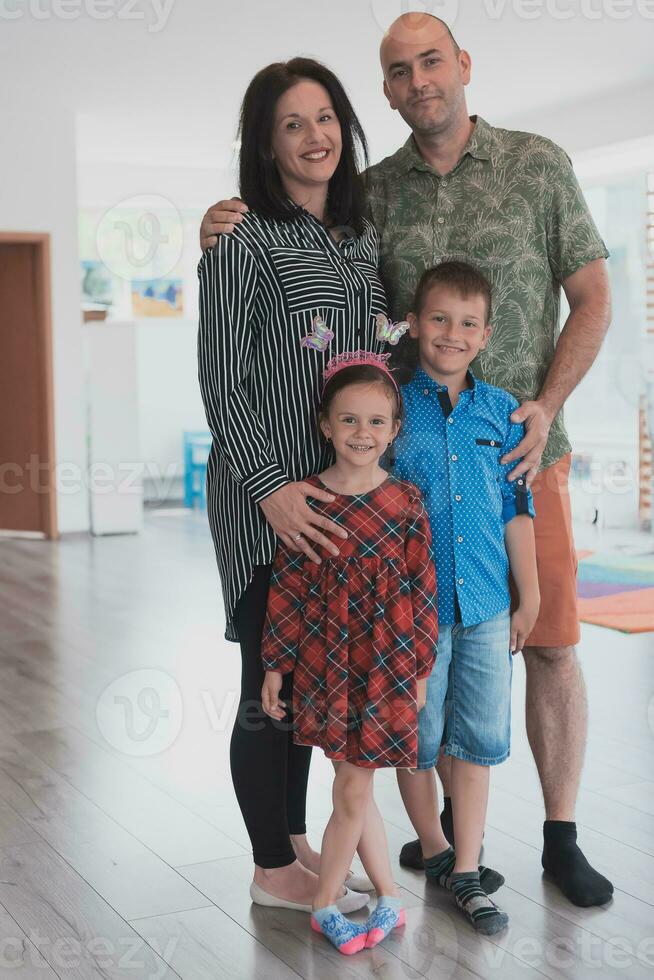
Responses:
[388,914]
[348,937]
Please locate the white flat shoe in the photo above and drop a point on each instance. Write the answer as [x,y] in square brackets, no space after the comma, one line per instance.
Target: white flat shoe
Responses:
[358,883]
[350,902]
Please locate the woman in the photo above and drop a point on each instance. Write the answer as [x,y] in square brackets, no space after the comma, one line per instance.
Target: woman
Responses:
[295,285]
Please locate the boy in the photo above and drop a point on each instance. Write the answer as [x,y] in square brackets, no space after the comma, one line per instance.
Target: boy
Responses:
[455,432]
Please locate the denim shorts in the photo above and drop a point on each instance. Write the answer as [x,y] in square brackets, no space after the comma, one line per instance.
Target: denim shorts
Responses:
[468,706]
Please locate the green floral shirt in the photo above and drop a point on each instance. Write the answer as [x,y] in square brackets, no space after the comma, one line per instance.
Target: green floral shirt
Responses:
[511,206]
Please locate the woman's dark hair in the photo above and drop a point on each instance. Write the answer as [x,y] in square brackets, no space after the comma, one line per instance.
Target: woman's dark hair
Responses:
[260,184]
[360,374]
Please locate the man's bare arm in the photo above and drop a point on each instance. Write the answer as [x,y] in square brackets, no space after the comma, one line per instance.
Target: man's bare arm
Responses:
[588,295]
[587,291]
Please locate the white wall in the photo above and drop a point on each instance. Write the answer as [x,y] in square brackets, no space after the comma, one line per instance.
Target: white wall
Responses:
[38,193]
[169,401]
[618,116]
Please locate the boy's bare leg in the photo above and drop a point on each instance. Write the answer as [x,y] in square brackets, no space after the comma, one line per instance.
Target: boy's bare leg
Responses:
[469,803]
[419,793]
[444,770]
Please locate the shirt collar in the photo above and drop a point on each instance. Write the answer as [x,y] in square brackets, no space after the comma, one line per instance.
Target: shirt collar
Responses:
[422,380]
[408,157]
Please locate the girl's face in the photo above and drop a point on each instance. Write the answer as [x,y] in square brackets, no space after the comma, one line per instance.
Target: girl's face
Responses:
[360,423]
[306,138]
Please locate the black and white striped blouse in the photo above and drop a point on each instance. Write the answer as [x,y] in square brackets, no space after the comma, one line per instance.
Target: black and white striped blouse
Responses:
[260,290]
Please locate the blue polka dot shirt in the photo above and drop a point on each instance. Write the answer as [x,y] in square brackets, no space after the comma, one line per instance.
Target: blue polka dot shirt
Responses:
[453,456]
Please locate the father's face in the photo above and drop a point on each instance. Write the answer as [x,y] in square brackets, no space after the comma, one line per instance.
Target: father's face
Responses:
[424,73]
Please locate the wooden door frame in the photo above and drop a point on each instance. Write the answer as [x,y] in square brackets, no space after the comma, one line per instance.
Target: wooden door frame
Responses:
[41,243]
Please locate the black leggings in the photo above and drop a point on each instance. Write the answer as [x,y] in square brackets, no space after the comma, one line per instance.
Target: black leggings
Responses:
[269,772]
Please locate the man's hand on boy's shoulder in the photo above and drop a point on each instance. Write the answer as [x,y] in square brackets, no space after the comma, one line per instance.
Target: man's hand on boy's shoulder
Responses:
[537,419]
[221,219]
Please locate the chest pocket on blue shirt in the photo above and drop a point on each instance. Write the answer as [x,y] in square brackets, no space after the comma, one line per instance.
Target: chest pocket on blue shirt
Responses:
[487,457]
[489,442]
[309,279]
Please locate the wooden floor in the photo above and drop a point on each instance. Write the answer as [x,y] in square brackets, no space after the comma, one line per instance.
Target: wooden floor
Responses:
[121,846]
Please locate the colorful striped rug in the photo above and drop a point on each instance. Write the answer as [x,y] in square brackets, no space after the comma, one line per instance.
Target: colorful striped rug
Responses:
[616,591]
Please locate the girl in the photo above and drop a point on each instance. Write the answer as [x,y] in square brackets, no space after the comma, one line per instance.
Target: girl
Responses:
[359,630]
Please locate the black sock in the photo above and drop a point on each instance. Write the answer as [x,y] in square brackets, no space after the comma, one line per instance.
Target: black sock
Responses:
[447,821]
[439,869]
[563,859]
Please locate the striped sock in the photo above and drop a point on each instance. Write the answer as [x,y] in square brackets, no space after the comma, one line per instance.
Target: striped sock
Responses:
[348,937]
[387,914]
[439,869]
[473,901]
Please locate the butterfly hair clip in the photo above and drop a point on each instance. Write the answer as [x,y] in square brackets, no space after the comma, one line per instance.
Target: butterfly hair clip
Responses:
[320,336]
[390,332]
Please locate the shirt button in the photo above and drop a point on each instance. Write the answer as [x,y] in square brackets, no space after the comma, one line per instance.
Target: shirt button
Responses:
[426,391]
[441,221]
[520,482]
[454,457]
[459,539]
[460,581]
[443,183]
[450,421]
[457,496]
[492,442]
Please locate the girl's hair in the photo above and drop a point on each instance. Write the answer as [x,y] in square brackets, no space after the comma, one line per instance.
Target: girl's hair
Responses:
[260,184]
[360,374]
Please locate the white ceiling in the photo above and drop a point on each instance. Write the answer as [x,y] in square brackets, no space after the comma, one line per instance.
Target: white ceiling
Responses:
[166,91]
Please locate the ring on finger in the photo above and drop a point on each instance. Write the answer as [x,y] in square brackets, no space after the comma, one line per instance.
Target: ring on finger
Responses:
[296,537]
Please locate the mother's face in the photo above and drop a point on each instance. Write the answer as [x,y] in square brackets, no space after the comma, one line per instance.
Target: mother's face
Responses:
[306,138]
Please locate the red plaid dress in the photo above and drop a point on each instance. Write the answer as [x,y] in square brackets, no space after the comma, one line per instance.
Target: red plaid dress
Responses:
[359,628]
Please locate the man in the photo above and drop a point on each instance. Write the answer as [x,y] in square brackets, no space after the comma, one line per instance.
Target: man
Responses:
[509,203]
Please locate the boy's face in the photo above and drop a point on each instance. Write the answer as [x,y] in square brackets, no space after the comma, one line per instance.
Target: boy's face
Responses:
[450,330]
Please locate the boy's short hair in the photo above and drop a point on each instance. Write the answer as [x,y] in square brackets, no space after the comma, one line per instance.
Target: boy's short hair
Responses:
[460,276]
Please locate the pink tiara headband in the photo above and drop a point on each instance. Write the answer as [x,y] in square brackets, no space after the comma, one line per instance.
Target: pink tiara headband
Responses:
[352,358]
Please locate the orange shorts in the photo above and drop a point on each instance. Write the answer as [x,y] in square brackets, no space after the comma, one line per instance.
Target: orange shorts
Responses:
[556,557]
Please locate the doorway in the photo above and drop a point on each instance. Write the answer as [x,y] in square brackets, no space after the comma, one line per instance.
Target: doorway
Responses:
[27,457]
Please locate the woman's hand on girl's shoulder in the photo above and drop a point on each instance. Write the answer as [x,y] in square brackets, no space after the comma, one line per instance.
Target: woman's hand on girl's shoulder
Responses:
[298,526]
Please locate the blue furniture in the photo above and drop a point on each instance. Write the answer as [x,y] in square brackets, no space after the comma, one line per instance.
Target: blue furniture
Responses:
[196,454]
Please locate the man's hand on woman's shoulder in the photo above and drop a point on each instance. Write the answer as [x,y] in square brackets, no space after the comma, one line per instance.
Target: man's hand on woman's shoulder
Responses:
[221,219]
